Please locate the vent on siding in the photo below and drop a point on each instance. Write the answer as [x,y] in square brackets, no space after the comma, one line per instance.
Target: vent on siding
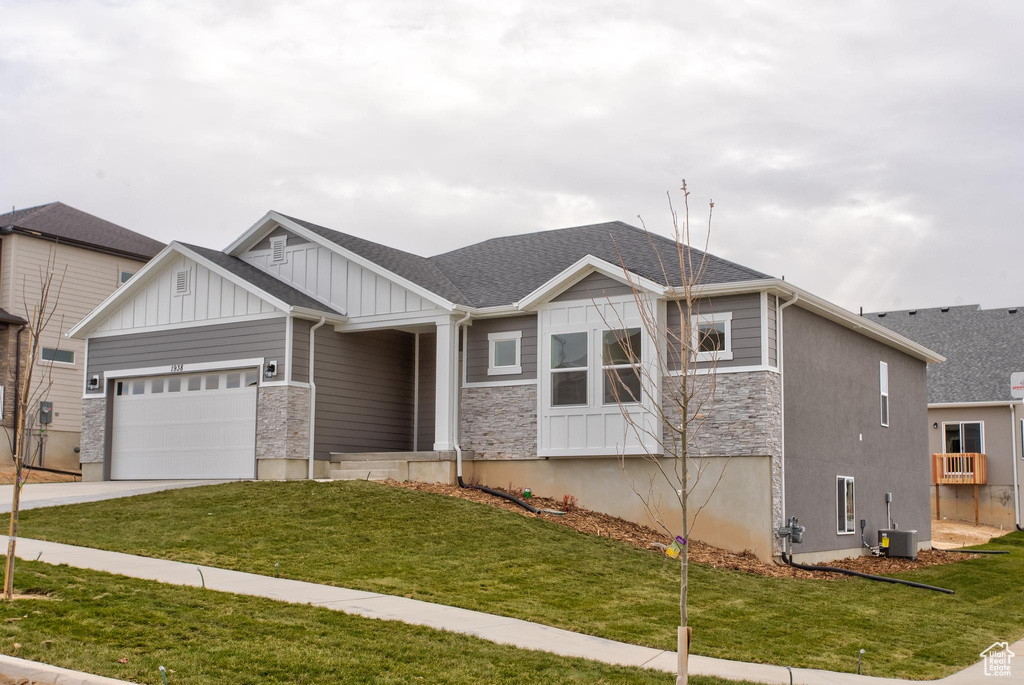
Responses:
[181,281]
[277,244]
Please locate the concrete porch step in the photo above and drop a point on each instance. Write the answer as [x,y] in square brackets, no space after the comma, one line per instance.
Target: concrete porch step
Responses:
[363,474]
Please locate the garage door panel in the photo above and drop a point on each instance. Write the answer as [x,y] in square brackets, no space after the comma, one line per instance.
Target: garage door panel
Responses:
[205,433]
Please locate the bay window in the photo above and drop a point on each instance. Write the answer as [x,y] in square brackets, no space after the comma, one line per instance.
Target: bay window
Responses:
[620,355]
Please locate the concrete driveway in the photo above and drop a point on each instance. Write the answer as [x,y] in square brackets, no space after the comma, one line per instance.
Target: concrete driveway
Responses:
[35,495]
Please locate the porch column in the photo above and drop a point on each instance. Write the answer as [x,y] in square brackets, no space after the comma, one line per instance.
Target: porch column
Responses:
[446,384]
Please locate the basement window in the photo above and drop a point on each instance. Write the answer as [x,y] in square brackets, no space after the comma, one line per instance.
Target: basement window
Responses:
[883,387]
[504,353]
[846,516]
[277,245]
[50,354]
[712,337]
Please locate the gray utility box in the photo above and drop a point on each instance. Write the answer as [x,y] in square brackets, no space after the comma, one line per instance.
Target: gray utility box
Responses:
[898,543]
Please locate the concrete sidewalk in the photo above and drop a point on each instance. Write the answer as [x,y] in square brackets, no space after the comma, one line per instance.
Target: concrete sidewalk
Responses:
[499,629]
[36,495]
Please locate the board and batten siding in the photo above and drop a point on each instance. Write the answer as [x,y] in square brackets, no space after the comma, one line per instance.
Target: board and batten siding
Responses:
[746,327]
[478,358]
[364,391]
[773,331]
[329,277]
[210,298]
[90,278]
[263,338]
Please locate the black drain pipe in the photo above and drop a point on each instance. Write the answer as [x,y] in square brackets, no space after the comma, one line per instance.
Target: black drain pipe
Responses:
[867,576]
[972,551]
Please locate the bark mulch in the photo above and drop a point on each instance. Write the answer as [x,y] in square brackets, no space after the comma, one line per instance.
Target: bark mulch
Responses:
[602,525]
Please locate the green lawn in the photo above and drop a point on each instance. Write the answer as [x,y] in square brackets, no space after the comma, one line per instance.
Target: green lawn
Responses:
[92,619]
[373,537]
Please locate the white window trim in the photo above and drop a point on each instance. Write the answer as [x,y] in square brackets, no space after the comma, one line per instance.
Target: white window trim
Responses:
[276,240]
[74,357]
[549,401]
[498,336]
[883,366]
[615,367]
[852,481]
[188,282]
[961,424]
[722,355]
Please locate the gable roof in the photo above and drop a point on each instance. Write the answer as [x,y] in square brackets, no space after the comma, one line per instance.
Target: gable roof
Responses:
[262,280]
[982,348]
[501,271]
[57,220]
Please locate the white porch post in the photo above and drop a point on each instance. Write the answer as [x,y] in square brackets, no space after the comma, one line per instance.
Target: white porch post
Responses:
[446,387]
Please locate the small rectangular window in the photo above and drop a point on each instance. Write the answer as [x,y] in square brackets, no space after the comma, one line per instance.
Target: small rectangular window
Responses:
[504,353]
[711,337]
[277,245]
[252,379]
[883,384]
[234,380]
[213,381]
[50,354]
[182,281]
[620,361]
[569,369]
[195,382]
[173,385]
[157,386]
[846,517]
[139,387]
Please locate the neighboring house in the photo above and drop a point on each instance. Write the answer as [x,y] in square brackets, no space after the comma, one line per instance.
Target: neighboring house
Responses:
[98,257]
[211,364]
[970,408]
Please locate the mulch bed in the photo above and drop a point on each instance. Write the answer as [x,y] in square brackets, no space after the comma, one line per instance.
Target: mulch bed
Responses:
[602,525]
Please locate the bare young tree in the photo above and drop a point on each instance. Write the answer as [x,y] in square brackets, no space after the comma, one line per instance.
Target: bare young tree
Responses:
[667,398]
[40,309]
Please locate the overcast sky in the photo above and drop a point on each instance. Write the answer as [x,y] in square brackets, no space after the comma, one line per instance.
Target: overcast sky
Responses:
[872,153]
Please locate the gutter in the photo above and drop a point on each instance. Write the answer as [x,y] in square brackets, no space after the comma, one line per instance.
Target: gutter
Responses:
[312,391]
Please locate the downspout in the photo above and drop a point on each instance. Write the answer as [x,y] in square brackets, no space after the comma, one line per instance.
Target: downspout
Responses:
[456,426]
[1013,464]
[312,391]
[782,393]
[17,385]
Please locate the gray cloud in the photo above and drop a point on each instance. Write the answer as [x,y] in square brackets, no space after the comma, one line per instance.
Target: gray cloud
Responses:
[871,153]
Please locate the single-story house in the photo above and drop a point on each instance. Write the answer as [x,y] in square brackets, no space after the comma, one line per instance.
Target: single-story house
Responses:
[975,426]
[299,351]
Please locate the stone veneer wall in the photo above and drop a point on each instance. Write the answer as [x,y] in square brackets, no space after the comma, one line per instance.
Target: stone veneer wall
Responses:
[94,430]
[744,419]
[500,422]
[282,423]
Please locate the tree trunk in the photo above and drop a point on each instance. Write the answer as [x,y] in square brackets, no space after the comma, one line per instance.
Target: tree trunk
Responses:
[12,532]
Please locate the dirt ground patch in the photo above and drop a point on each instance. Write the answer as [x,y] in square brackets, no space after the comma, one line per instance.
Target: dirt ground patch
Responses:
[644,537]
[953,534]
[7,476]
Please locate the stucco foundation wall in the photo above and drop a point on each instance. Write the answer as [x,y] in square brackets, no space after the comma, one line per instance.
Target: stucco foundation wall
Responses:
[500,422]
[736,518]
[956,503]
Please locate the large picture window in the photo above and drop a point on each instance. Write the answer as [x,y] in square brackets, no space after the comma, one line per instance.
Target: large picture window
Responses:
[620,355]
[964,437]
[712,337]
[845,511]
[569,369]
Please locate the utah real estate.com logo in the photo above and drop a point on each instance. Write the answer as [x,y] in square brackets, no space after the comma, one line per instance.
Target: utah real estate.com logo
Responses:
[997,659]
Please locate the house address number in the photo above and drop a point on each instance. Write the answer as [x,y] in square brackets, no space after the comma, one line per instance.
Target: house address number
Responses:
[177,367]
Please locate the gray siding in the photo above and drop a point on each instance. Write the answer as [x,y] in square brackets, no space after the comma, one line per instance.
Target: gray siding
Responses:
[292,239]
[773,332]
[264,339]
[596,286]
[746,327]
[832,399]
[364,391]
[428,384]
[476,363]
[300,350]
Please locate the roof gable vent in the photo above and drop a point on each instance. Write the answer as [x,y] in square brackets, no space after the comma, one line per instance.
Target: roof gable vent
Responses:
[944,309]
[1013,311]
[912,312]
[881,315]
[181,282]
[277,245]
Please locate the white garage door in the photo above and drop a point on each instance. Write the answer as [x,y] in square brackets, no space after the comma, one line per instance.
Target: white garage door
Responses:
[185,426]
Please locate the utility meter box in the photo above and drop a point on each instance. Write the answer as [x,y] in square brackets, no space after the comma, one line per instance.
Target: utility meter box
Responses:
[45,412]
[898,543]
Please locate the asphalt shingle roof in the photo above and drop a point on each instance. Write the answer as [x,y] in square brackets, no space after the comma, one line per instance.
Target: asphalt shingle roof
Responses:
[261,279]
[982,348]
[60,221]
[501,271]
